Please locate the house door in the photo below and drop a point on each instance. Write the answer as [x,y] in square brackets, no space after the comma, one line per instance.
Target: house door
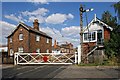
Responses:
[99,37]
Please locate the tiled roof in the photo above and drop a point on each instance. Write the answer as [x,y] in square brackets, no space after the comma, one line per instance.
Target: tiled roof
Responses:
[39,32]
[31,29]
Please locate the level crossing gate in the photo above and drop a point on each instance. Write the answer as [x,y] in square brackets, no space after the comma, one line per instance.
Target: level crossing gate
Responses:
[45,58]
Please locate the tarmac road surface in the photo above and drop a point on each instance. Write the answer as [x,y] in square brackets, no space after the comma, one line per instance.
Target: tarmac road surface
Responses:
[61,72]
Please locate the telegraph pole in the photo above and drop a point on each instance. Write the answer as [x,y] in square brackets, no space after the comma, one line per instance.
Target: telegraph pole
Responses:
[81,28]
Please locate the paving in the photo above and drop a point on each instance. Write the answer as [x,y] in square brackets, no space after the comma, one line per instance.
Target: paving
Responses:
[89,72]
[61,72]
[3,66]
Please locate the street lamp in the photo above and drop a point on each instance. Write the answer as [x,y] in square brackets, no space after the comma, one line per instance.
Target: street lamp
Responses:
[81,27]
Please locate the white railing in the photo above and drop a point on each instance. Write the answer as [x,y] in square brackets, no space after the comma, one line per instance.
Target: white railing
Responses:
[45,58]
[92,50]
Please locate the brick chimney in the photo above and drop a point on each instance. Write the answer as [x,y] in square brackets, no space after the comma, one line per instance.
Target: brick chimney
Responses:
[36,24]
[55,44]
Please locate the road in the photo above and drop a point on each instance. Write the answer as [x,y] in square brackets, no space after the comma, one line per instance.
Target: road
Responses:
[63,72]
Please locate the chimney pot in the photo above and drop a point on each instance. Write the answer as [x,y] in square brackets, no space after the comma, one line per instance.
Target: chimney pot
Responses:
[36,20]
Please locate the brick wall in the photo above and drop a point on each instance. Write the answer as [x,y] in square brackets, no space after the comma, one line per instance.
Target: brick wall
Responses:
[106,34]
[42,44]
[87,47]
[16,43]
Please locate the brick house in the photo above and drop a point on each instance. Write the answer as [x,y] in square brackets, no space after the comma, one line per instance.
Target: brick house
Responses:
[94,36]
[67,48]
[25,39]
[63,48]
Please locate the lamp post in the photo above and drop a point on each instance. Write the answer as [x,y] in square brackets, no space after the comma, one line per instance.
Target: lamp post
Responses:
[81,28]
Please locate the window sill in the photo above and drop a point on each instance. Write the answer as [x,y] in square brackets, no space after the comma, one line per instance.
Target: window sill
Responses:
[20,39]
[37,41]
[89,41]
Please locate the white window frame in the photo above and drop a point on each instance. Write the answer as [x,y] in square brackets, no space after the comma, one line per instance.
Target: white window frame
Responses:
[47,51]
[20,36]
[11,52]
[91,37]
[37,38]
[47,40]
[37,50]
[10,39]
[84,36]
[20,49]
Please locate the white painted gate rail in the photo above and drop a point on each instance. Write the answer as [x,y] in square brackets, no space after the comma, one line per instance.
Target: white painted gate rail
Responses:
[45,58]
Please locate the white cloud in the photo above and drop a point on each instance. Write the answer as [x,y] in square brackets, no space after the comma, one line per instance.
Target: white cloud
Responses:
[70,16]
[48,30]
[40,19]
[43,1]
[56,34]
[58,18]
[71,31]
[6,29]
[14,18]
[36,14]
[38,1]
[6,25]
[29,16]
[39,11]
[41,15]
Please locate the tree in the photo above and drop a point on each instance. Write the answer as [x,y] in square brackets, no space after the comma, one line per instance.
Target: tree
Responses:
[109,19]
[117,9]
[106,16]
[112,46]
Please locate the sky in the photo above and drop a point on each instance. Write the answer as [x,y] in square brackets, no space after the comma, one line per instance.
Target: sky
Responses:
[60,20]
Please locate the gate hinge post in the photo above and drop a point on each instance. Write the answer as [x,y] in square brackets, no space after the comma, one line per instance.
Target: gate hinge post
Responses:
[15,58]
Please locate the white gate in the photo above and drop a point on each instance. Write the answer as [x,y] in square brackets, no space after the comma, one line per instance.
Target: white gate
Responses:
[45,58]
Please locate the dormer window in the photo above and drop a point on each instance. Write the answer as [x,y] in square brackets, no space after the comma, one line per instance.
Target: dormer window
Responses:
[37,38]
[20,36]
